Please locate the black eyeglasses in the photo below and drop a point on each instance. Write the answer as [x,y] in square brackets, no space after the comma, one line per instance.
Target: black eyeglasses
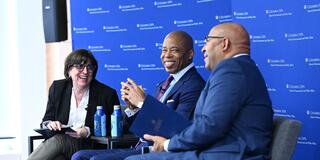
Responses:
[208,38]
[80,67]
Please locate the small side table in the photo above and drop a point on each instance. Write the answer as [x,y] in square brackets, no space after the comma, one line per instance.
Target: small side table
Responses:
[112,142]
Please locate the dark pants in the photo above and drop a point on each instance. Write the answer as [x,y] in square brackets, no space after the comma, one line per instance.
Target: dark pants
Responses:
[108,154]
[189,155]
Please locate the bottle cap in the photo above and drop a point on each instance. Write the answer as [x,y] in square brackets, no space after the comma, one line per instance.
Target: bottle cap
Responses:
[99,107]
[116,107]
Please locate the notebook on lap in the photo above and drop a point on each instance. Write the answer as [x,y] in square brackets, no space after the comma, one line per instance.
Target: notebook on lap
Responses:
[158,120]
[47,133]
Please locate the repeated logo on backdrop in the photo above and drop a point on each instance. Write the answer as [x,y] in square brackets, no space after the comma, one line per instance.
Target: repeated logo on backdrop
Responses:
[127,37]
[312,61]
[279,111]
[97,10]
[313,114]
[186,23]
[279,63]
[243,15]
[166,4]
[315,7]
[98,48]
[299,88]
[131,47]
[149,26]
[280,12]
[261,39]
[224,18]
[130,7]
[82,30]
[115,67]
[114,29]
[300,36]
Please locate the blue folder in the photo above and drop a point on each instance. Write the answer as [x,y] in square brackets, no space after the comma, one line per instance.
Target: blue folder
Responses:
[158,120]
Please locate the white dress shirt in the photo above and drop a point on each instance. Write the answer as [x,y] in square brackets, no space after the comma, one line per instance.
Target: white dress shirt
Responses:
[77,115]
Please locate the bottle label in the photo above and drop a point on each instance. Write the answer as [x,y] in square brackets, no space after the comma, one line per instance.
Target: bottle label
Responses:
[100,123]
[116,125]
[97,125]
[103,126]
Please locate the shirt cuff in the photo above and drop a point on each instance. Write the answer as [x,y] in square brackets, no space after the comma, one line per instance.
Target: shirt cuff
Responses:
[140,104]
[88,131]
[166,145]
[45,123]
[130,112]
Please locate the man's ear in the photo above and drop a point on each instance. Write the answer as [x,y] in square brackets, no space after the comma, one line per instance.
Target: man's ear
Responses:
[226,44]
[191,54]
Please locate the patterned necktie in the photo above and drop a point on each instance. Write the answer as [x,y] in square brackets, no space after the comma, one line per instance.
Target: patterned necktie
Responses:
[164,86]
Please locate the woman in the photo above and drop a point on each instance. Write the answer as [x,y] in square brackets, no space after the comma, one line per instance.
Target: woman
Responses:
[72,101]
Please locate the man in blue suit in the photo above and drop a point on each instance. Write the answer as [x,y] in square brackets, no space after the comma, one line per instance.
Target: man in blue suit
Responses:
[233,116]
[180,94]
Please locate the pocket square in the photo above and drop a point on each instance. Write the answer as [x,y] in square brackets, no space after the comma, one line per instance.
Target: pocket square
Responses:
[170,100]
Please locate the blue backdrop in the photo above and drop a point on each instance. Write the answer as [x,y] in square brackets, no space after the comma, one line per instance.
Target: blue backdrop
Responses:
[126,37]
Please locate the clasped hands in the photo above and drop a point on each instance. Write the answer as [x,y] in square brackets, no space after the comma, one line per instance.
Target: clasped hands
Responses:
[80,132]
[132,94]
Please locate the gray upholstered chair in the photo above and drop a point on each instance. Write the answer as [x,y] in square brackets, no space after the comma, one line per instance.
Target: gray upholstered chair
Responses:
[285,135]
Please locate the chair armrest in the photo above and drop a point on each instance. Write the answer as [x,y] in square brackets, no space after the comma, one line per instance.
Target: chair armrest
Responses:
[30,142]
[126,141]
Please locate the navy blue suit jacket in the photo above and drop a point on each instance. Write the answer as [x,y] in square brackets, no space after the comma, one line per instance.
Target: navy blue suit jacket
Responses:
[233,116]
[183,96]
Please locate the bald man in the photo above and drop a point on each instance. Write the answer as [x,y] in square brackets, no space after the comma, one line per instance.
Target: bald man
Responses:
[233,116]
[180,95]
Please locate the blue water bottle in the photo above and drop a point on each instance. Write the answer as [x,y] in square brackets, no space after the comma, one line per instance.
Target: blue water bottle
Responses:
[116,122]
[100,122]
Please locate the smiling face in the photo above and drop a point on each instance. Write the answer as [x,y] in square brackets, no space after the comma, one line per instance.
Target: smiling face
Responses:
[176,52]
[213,50]
[225,41]
[81,75]
[81,66]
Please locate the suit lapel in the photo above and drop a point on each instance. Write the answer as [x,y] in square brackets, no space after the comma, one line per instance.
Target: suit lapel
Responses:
[156,93]
[181,81]
[65,103]
[93,100]
[93,93]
